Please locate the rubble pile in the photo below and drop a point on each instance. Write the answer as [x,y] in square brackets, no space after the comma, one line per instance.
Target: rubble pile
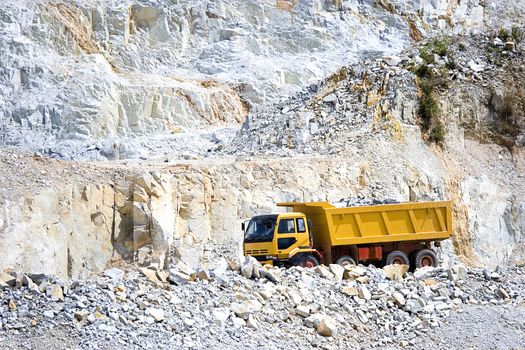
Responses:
[378,98]
[235,304]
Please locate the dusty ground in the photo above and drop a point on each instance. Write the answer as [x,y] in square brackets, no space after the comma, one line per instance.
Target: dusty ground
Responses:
[493,327]
[481,327]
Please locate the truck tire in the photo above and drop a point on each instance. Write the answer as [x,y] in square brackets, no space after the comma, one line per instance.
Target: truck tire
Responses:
[307,260]
[345,260]
[397,257]
[425,257]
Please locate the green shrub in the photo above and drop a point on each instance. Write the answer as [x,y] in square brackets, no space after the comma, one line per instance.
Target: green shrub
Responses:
[423,71]
[437,134]
[462,47]
[426,55]
[451,63]
[428,109]
[517,34]
[503,34]
[509,104]
[441,46]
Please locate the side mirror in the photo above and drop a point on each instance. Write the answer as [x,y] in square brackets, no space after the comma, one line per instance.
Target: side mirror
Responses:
[243,227]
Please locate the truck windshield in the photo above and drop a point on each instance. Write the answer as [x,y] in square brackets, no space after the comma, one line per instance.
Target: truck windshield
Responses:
[260,229]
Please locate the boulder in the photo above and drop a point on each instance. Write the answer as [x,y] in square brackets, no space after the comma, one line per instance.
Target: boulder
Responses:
[337,270]
[252,322]
[114,274]
[413,306]
[350,291]
[392,60]
[247,271]
[395,272]
[220,315]
[234,265]
[149,274]
[353,272]
[246,308]
[295,297]
[323,271]
[364,293]
[157,314]
[163,275]
[399,299]
[327,327]
[424,272]
[203,274]
[81,315]
[7,279]
[250,267]
[178,277]
[55,292]
[273,275]
[302,310]
[361,316]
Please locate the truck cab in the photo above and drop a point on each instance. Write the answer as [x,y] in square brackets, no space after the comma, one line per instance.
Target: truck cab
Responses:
[279,239]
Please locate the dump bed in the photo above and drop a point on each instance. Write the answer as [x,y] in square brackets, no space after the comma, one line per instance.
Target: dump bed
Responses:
[412,221]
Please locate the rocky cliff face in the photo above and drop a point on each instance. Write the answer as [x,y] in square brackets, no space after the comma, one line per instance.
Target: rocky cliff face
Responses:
[158,94]
[85,79]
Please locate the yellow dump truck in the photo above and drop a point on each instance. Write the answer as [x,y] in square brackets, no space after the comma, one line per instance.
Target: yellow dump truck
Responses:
[318,232]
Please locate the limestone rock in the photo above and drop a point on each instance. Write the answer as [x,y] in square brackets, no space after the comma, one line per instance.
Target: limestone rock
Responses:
[149,274]
[156,313]
[364,293]
[55,292]
[323,271]
[423,272]
[203,275]
[7,279]
[114,273]
[399,299]
[413,306]
[302,310]
[250,267]
[350,291]
[395,272]
[353,272]
[178,277]
[327,327]
[338,271]
[252,322]
[220,316]
[273,275]
[246,308]
[81,315]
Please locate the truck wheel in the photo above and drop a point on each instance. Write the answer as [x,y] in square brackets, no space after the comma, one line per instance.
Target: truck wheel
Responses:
[425,257]
[345,260]
[308,261]
[397,257]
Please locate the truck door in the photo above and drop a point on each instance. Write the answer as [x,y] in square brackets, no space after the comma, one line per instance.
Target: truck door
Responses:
[291,233]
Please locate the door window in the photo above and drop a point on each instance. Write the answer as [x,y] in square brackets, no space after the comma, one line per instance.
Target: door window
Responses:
[300,225]
[286,226]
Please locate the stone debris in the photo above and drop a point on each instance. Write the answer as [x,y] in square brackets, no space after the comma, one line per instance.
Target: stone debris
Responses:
[114,273]
[55,292]
[364,293]
[157,314]
[327,327]
[395,272]
[315,300]
[302,310]
[363,104]
[338,271]
[151,275]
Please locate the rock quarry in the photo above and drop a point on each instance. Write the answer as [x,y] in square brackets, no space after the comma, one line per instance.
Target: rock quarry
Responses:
[137,136]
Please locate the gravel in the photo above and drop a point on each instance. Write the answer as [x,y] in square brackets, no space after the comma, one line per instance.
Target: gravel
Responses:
[306,308]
